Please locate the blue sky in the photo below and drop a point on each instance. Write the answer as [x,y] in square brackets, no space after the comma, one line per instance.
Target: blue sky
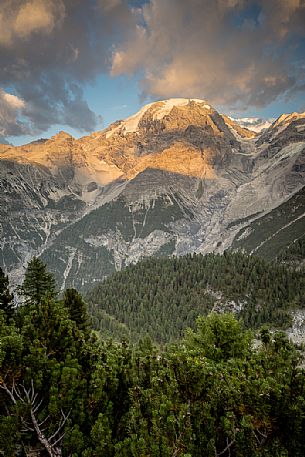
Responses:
[78,66]
[111,98]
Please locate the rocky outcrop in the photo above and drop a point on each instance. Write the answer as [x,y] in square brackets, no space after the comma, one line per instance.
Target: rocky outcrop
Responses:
[176,177]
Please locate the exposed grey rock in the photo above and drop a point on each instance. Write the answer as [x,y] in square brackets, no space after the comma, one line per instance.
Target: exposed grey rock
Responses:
[177,177]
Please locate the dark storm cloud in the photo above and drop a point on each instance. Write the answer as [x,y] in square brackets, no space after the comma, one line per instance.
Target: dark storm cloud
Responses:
[232,52]
[236,53]
[48,49]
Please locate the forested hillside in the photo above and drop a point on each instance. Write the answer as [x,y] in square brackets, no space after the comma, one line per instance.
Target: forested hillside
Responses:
[294,254]
[63,393]
[161,297]
[270,234]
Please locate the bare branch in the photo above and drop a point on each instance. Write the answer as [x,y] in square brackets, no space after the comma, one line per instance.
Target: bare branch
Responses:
[36,407]
[29,397]
[6,389]
[33,397]
[261,433]
[16,392]
[58,440]
[259,440]
[61,424]
[44,421]
[27,427]
[218,454]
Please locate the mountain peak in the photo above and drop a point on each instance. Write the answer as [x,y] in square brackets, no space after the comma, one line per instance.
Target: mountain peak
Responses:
[254,124]
[163,107]
[286,118]
[155,111]
[169,103]
[61,136]
[188,180]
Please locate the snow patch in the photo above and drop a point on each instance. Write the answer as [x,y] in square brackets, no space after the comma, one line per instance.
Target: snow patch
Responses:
[255,124]
[169,104]
[131,124]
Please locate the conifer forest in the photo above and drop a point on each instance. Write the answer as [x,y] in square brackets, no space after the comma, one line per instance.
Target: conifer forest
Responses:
[151,364]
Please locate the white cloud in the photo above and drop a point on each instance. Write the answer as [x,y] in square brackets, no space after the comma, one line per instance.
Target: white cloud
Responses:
[50,48]
[214,50]
[21,19]
[13,101]
[10,108]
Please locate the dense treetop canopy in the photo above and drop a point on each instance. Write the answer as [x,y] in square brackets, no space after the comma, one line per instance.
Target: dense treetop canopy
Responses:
[65,393]
[160,297]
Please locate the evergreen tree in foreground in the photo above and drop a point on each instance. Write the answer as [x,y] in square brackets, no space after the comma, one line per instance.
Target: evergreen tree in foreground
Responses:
[6,298]
[38,282]
[73,301]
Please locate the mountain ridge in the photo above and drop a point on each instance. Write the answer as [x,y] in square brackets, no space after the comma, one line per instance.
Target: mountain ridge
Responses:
[177,177]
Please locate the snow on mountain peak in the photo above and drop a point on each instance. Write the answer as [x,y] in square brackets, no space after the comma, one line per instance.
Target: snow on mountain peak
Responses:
[256,124]
[160,109]
[169,104]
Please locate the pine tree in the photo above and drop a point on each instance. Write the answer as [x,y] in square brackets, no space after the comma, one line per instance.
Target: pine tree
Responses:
[6,298]
[73,301]
[38,282]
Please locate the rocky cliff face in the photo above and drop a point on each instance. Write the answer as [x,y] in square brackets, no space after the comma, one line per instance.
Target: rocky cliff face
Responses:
[177,177]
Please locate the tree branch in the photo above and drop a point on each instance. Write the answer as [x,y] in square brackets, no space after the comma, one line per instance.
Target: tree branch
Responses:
[218,454]
[29,398]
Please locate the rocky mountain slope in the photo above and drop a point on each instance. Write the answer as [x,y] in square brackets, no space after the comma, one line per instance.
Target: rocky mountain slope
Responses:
[177,177]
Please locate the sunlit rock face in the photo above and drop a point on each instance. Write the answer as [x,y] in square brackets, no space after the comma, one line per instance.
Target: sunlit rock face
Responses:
[177,177]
